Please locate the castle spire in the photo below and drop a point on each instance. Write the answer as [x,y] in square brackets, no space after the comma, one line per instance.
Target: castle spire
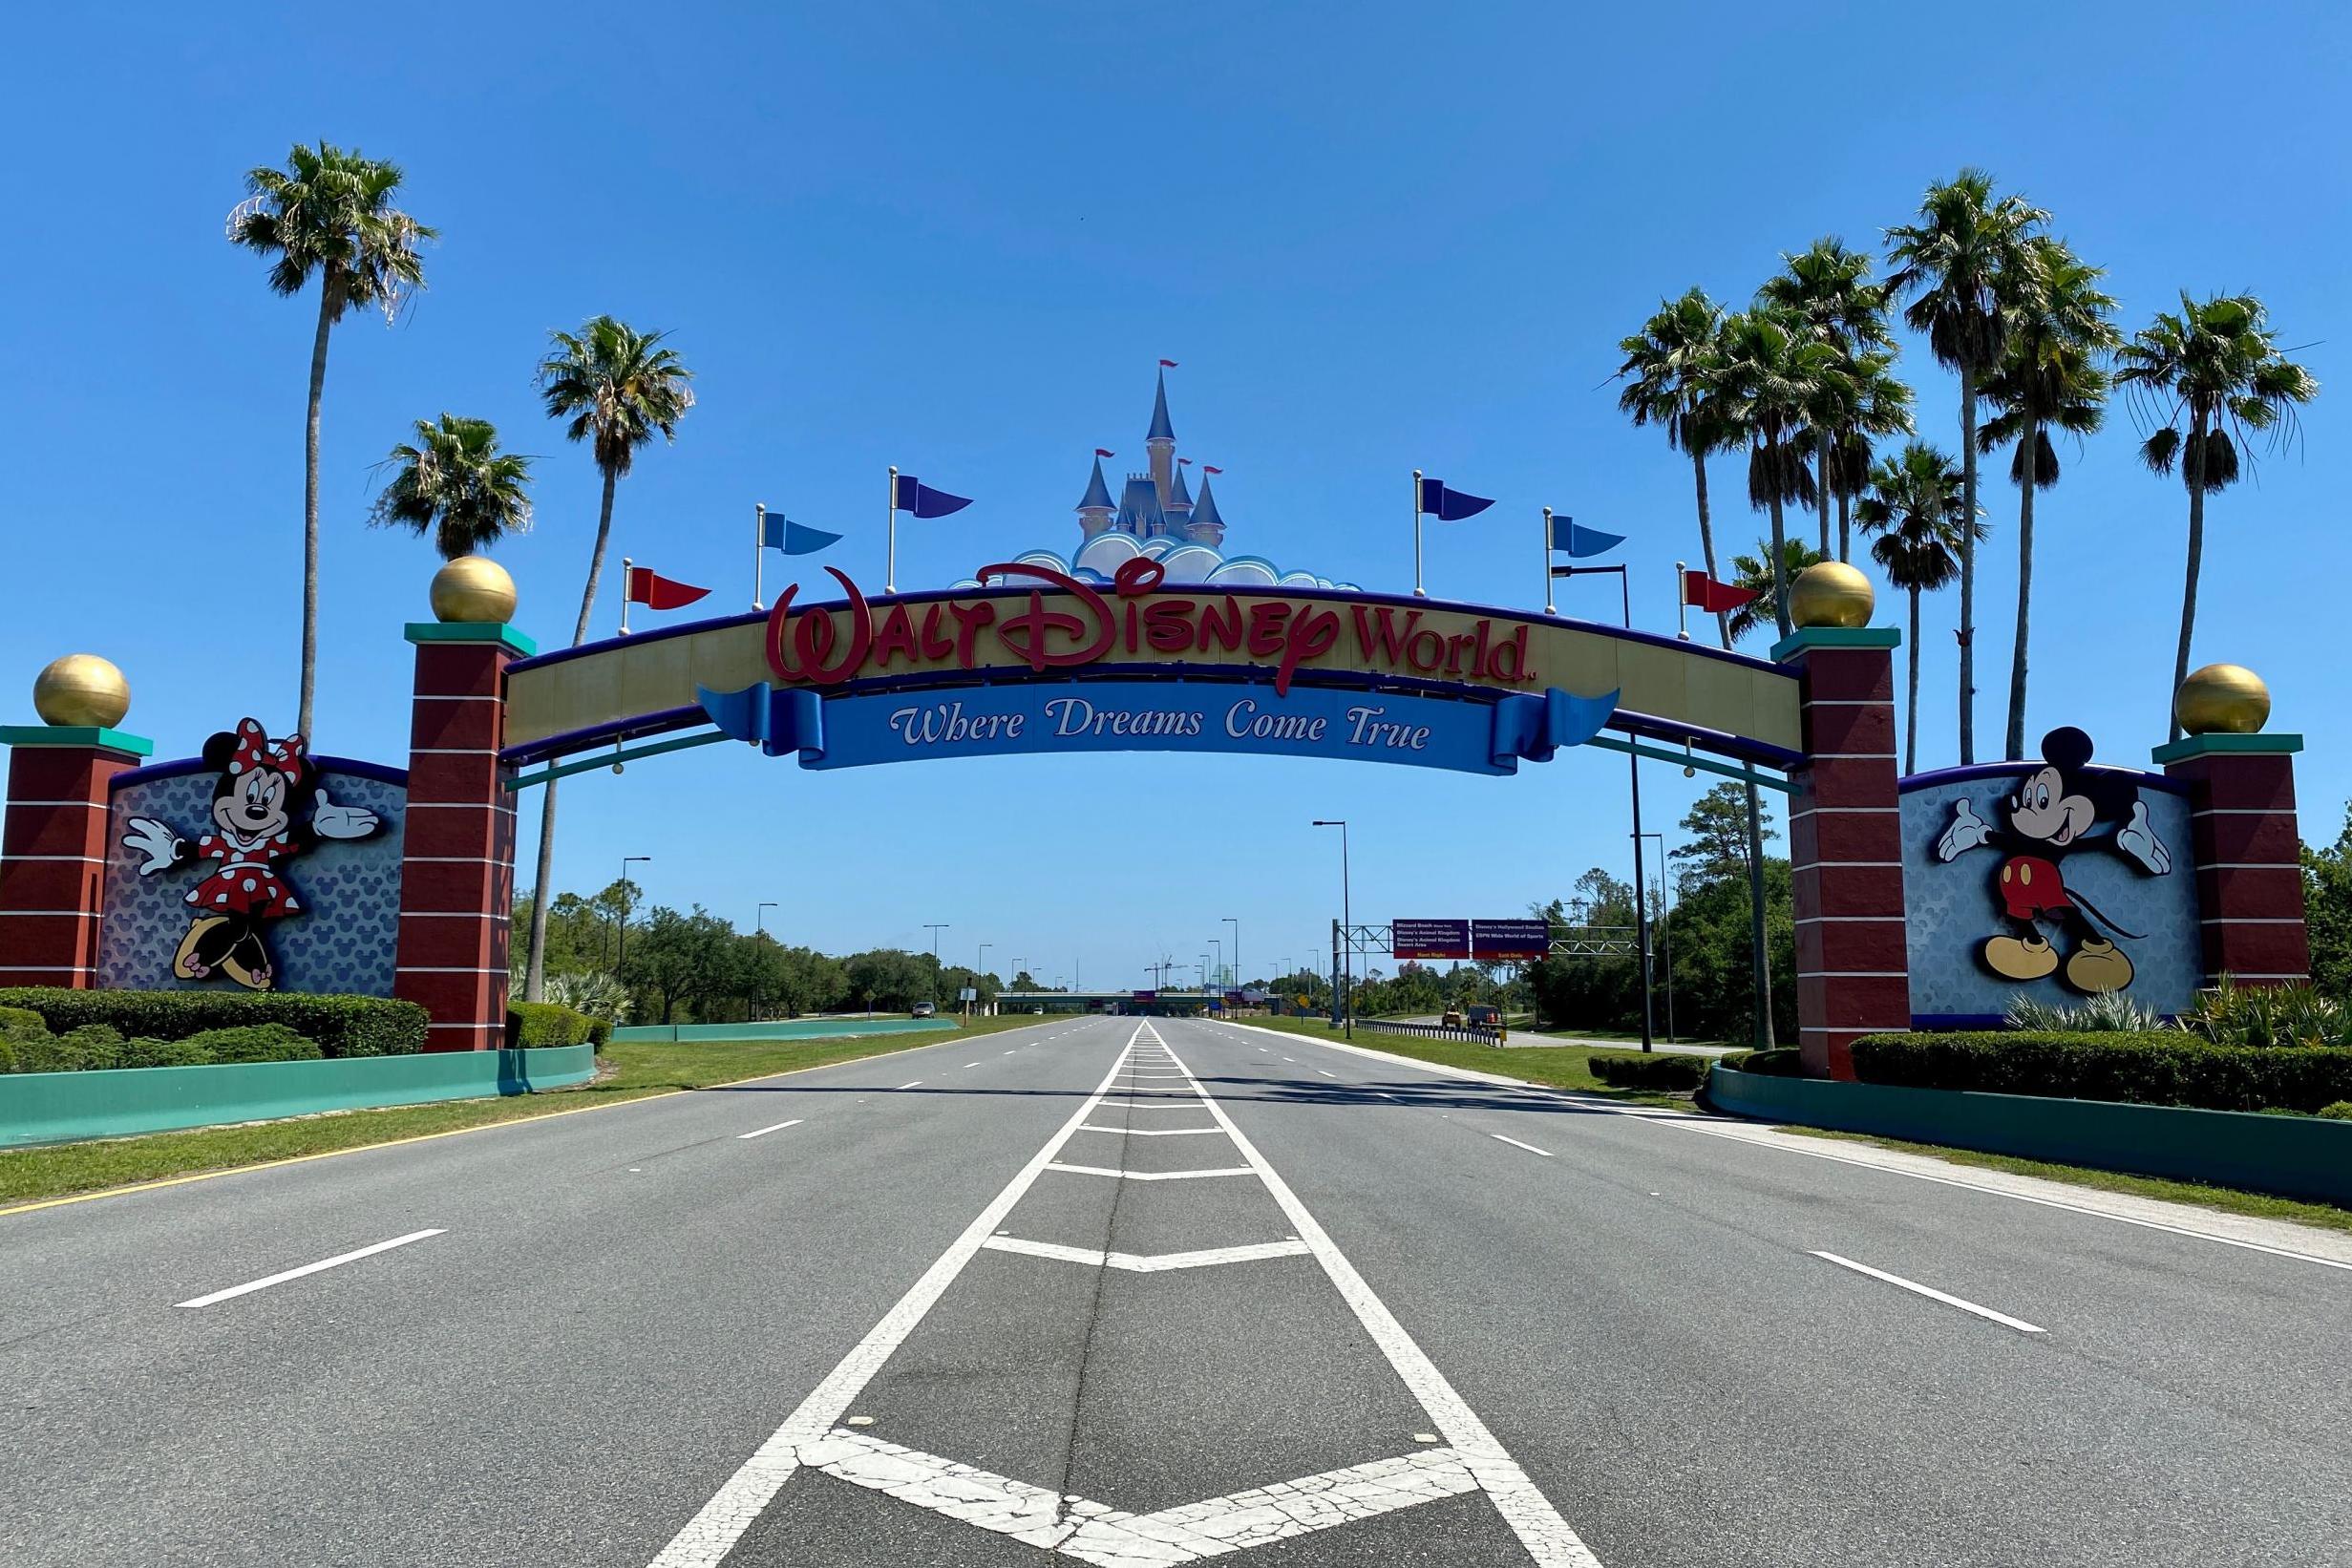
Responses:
[1095,507]
[1205,525]
[1160,444]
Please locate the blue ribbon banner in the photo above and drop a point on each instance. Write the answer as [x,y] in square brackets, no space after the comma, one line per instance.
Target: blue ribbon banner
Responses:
[857,732]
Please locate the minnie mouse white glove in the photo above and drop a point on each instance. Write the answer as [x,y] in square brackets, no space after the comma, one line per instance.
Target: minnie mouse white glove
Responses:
[333,821]
[162,848]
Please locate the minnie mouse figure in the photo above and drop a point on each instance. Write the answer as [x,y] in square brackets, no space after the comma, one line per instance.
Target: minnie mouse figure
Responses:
[2059,807]
[256,808]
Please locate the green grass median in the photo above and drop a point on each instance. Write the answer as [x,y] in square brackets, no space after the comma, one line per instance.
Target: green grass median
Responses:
[629,1071]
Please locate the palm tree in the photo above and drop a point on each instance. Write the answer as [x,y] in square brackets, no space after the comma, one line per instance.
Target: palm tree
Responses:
[329,212]
[1830,287]
[1768,388]
[1759,576]
[456,484]
[1967,260]
[1882,408]
[619,387]
[2216,369]
[2051,378]
[1670,367]
[1917,508]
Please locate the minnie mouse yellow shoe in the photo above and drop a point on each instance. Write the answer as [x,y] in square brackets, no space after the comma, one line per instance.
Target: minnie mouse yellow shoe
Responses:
[2016,958]
[2098,966]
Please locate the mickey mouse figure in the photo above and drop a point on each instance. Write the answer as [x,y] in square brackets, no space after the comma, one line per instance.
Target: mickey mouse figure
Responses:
[256,806]
[2057,808]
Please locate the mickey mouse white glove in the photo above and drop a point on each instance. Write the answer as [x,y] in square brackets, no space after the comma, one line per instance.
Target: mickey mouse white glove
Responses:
[2138,839]
[333,821]
[162,848]
[1968,831]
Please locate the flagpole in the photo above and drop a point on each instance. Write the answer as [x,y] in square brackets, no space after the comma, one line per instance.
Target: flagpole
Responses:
[890,560]
[625,585]
[1681,608]
[759,558]
[1419,592]
[1548,609]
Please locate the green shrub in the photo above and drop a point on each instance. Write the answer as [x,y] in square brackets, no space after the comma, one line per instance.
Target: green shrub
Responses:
[342,1026]
[536,1023]
[2270,1015]
[599,1032]
[163,1053]
[2166,1066]
[2106,1014]
[2340,1110]
[94,1047]
[17,1021]
[1665,1069]
[1780,1062]
[254,1043]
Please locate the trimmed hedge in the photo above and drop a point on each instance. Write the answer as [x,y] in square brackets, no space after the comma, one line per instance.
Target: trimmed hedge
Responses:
[2164,1067]
[1666,1070]
[253,1043]
[535,1023]
[97,1047]
[1780,1062]
[341,1026]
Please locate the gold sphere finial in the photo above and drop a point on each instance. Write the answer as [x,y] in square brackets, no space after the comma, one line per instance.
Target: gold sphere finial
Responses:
[473,588]
[2222,700]
[1831,594]
[84,690]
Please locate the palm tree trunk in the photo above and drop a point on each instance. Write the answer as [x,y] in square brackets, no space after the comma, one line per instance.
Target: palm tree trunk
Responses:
[1821,490]
[535,975]
[2195,472]
[1911,703]
[1968,568]
[1707,540]
[1845,527]
[1780,547]
[331,304]
[2028,450]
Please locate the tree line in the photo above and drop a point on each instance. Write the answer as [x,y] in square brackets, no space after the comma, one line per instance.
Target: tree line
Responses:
[1804,381]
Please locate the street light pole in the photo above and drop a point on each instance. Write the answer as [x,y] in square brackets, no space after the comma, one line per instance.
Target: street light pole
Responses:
[1216,948]
[1666,927]
[621,954]
[1239,980]
[759,923]
[1347,934]
[934,928]
[979,966]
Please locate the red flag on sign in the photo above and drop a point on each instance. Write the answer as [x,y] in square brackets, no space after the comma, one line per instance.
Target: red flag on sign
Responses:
[649,588]
[1702,592]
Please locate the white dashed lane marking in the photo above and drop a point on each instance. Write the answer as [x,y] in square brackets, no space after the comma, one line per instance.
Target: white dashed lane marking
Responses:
[1517,1144]
[336,1262]
[1931,1293]
[763,1132]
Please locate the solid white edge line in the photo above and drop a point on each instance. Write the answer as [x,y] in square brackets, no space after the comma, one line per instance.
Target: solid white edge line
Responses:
[1547,1537]
[1517,1144]
[336,1261]
[1745,1132]
[1932,1293]
[705,1540]
[777,1128]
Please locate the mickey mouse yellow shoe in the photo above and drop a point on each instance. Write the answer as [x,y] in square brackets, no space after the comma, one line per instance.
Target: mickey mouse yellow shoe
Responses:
[2098,966]
[2014,957]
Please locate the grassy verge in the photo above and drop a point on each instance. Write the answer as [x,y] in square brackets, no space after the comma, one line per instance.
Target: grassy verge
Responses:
[1555,1067]
[2225,1200]
[631,1071]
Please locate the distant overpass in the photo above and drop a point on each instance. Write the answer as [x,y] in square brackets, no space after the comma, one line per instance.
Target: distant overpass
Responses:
[1179,999]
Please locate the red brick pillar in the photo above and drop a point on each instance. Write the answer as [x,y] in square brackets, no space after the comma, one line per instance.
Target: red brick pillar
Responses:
[1846,845]
[2244,843]
[458,865]
[53,849]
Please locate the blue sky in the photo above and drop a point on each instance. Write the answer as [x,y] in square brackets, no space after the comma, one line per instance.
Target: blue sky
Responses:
[955,238]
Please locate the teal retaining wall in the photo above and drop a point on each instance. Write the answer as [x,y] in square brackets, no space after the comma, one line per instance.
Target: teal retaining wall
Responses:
[783,1028]
[58,1107]
[2293,1156]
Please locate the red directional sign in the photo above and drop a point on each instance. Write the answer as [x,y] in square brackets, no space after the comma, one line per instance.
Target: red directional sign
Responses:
[1429,938]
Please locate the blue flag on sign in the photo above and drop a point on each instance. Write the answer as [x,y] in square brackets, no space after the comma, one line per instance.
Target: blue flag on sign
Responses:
[1572,541]
[919,498]
[1451,505]
[781,533]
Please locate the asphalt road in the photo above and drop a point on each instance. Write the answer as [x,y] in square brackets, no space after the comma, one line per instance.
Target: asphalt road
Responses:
[1088,1291]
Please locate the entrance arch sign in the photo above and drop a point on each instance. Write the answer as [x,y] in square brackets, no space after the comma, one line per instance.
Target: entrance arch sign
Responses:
[1034,627]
